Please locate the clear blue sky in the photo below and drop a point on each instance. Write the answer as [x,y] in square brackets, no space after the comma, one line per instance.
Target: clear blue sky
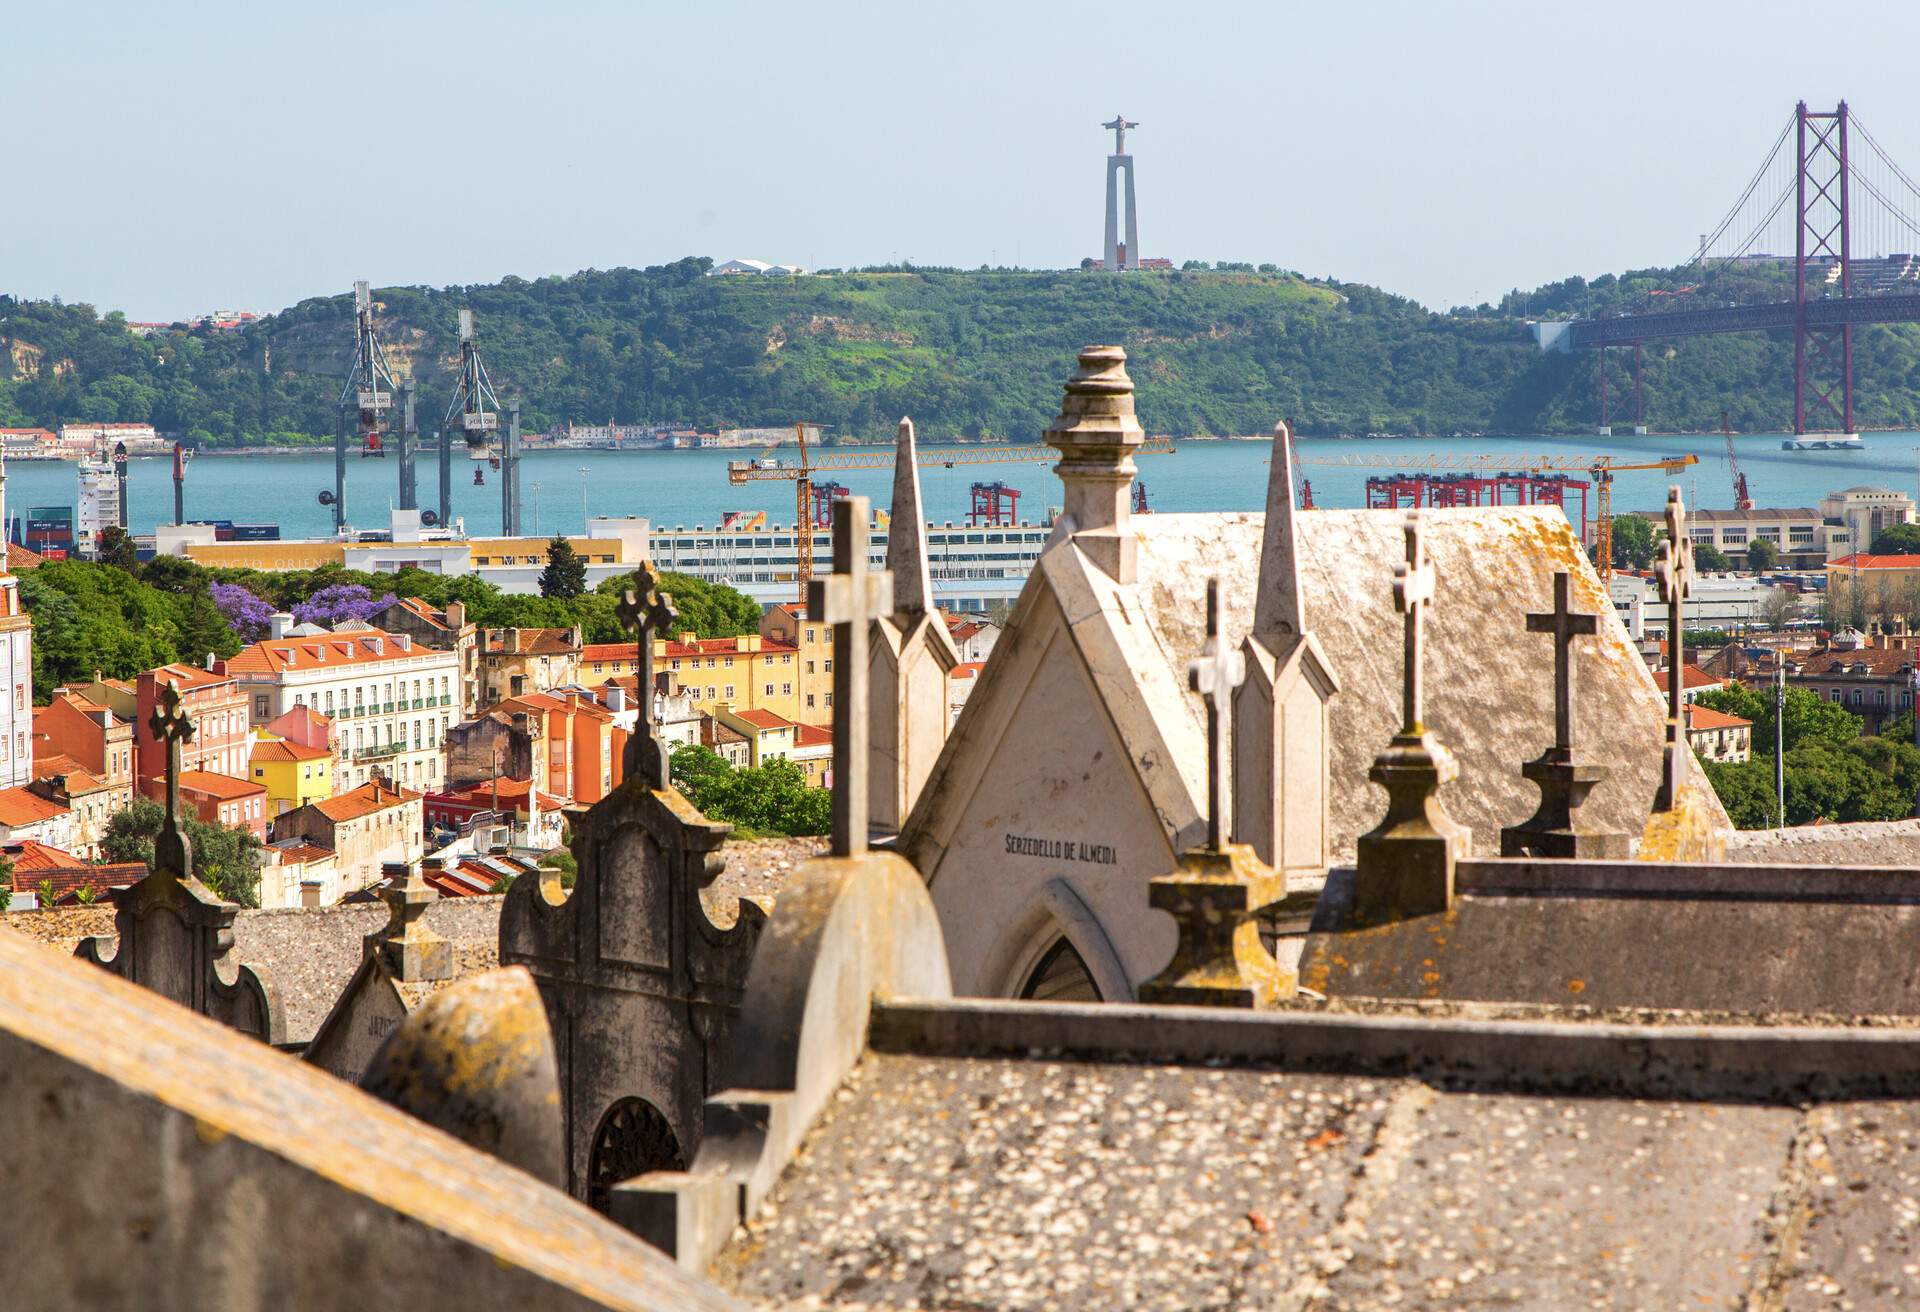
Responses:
[166,159]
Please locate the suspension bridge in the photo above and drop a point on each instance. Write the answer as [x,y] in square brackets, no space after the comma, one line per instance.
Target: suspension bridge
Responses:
[1829,194]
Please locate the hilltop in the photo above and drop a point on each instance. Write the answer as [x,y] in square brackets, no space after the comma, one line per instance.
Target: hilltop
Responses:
[1217,351]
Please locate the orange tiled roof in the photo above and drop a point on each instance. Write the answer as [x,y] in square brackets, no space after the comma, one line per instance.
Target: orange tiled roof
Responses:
[608,651]
[1692,676]
[531,642]
[188,677]
[281,749]
[970,669]
[20,807]
[760,719]
[1705,717]
[725,647]
[1878,660]
[35,855]
[812,735]
[363,801]
[19,558]
[420,609]
[223,786]
[1866,560]
[541,703]
[299,854]
[329,651]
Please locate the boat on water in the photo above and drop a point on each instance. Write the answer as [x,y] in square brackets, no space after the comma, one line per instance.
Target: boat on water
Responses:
[1824,442]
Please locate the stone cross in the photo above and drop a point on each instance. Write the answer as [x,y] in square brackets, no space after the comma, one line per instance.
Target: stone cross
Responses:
[172,726]
[1674,570]
[1217,672]
[643,611]
[850,599]
[1565,624]
[1563,782]
[1413,590]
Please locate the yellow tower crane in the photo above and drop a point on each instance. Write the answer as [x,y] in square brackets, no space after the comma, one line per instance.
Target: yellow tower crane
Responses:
[800,472]
[1600,468]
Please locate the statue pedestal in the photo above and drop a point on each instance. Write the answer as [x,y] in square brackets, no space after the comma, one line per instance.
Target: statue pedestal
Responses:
[1219,961]
[1551,831]
[1406,863]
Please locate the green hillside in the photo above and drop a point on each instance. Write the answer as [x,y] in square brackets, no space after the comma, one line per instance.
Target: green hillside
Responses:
[1226,350]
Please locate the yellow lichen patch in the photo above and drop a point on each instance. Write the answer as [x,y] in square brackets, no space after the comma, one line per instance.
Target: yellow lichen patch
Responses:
[207,1132]
[1576,986]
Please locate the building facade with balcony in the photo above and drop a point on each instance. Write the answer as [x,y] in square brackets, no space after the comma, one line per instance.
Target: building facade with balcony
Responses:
[390,699]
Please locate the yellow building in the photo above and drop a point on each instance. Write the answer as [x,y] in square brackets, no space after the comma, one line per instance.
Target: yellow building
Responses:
[812,642]
[292,773]
[745,673]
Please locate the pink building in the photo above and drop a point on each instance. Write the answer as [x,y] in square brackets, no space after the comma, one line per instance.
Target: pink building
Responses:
[215,704]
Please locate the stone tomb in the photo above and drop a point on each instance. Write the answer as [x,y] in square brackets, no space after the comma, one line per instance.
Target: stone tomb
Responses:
[1076,773]
[406,962]
[157,1160]
[641,987]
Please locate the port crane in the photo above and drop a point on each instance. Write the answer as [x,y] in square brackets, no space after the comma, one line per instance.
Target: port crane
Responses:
[1742,499]
[1475,473]
[800,472]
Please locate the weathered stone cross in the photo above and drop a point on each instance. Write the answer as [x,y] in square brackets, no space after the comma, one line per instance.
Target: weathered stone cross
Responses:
[850,599]
[1413,590]
[1565,624]
[643,611]
[1674,570]
[172,726]
[1214,675]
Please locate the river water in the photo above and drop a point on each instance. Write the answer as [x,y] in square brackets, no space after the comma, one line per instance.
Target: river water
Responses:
[690,487]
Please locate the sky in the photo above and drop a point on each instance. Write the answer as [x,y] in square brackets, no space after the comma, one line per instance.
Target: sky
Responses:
[166,160]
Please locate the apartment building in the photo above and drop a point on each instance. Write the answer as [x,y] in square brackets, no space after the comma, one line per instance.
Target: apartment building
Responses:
[442,630]
[812,641]
[215,706]
[514,662]
[365,828]
[75,726]
[744,673]
[391,700]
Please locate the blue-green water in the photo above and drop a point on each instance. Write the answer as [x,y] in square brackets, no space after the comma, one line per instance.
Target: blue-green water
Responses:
[689,487]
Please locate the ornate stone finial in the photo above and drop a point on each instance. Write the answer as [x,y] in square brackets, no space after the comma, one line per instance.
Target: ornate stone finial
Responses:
[172,726]
[1218,891]
[1563,783]
[406,943]
[1276,607]
[1097,433]
[1217,672]
[907,532]
[1406,863]
[850,599]
[643,611]
[1674,572]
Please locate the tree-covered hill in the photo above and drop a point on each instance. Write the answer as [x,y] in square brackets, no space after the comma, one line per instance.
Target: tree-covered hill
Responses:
[1223,350]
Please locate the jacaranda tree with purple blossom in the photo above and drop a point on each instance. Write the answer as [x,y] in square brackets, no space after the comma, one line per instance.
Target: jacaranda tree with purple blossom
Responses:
[246,613]
[339,602]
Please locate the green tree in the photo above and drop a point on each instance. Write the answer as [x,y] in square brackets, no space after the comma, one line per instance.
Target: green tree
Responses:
[771,798]
[1761,555]
[116,548]
[1708,557]
[1897,540]
[1808,718]
[712,610]
[6,882]
[565,575]
[1632,542]
[226,860]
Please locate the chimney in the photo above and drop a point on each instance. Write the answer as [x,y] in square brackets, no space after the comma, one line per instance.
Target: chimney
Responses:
[616,698]
[279,624]
[1097,434]
[456,615]
[209,660]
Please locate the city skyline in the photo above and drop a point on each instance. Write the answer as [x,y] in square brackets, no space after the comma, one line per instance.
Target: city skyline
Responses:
[1448,156]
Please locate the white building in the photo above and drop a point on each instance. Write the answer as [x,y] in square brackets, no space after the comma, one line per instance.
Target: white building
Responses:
[16,670]
[760,267]
[391,699]
[1718,601]
[99,505]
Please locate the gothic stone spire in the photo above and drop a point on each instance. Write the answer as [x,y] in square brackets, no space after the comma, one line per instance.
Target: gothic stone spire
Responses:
[907,532]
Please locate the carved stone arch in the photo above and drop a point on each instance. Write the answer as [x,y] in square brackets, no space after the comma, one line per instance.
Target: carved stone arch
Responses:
[1060,915]
[634,1138]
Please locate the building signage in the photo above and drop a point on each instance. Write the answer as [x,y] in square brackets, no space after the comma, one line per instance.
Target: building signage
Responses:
[1061,849]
